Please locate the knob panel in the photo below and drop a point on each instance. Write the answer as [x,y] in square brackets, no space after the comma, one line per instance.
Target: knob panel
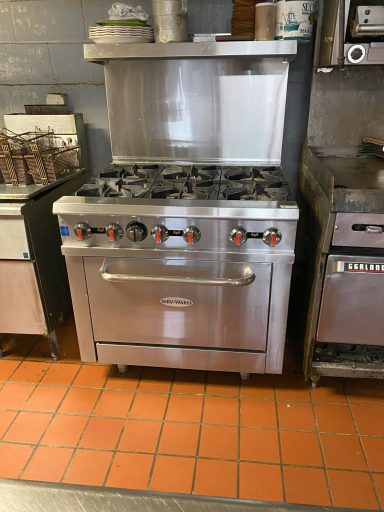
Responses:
[160,234]
[191,235]
[238,236]
[272,237]
[136,231]
[114,232]
[82,231]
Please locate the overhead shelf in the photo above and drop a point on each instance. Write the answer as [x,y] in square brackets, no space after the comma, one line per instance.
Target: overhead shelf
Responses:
[205,50]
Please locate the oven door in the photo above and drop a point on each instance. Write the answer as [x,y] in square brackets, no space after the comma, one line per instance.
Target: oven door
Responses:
[352,302]
[179,302]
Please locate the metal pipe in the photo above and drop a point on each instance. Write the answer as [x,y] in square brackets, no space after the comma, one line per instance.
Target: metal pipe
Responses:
[341,58]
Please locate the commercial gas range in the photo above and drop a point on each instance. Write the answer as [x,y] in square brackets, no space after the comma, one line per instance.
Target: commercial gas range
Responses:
[341,256]
[181,266]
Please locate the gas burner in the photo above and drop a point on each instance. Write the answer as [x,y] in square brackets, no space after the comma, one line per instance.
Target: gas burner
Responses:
[174,172]
[108,183]
[238,173]
[90,190]
[162,190]
[201,182]
[277,192]
[235,191]
[196,195]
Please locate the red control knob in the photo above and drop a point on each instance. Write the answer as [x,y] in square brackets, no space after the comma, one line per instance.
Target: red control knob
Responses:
[82,231]
[191,235]
[114,232]
[160,234]
[272,237]
[238,236]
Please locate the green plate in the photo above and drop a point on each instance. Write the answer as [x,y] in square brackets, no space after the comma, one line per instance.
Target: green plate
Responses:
[122,23]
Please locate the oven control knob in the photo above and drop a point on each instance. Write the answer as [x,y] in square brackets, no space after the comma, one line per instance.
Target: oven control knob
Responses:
[160,234]
[272,237]
[82,231]
[191,235]
[238,236]
[136,231]
[114,232]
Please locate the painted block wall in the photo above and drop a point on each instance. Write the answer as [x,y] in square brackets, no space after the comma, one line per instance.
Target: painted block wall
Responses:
[41,51]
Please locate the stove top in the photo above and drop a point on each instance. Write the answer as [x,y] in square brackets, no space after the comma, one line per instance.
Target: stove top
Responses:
[197,182]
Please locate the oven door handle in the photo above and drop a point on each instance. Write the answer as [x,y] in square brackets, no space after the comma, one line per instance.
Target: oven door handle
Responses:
[213,281]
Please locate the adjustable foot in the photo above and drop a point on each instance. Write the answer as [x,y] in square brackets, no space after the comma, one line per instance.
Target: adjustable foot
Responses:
[122,368]
[2,337]
[315,379]
[245,376]
[53,345]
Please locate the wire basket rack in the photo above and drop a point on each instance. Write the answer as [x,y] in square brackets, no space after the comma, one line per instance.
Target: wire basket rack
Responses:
[35,158]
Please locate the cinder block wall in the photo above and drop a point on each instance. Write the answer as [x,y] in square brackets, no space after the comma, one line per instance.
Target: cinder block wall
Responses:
[41,51]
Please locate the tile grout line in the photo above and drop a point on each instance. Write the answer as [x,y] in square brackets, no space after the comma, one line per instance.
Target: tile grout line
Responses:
[73,448]
[53,415]
[225,459]
[199,434]
[279,443]
[127,418]
[90,416]
[373,483]
[12,372]
[9,426]
[239,402]
[319,440]
[160,434]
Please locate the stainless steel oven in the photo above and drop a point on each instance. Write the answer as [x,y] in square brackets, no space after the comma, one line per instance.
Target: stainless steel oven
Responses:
[215,301]
[352,303]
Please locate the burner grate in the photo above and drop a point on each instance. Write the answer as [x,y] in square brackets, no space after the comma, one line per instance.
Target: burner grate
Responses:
[197,182]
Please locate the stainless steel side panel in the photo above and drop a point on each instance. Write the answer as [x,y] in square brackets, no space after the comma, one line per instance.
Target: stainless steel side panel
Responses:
[352,303]
[13,235]
[21,309]
[229,110]
[186,314]
[194,359]
[370,232]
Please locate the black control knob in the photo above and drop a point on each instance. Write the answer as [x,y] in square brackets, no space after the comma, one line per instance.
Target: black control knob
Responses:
[114,232]
[82,231]
[272,237]
[191,235]
[136,231]
[160,234]
[238,236]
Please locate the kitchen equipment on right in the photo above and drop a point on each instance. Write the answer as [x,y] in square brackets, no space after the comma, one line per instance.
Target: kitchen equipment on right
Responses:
[170,21]
[342,204]
[352,33]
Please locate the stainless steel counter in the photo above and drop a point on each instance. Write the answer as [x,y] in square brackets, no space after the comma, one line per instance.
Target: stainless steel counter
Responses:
[21,496]
[22,193]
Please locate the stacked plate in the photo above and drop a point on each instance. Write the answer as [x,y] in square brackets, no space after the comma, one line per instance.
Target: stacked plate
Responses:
[120,34]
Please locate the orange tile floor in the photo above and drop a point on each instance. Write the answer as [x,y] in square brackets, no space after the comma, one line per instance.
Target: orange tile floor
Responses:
[271,438]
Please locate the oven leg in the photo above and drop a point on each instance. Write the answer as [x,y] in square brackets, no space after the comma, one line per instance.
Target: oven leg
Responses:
[2,338]
[244,376]
[315,379]
[123,368]
[53,345]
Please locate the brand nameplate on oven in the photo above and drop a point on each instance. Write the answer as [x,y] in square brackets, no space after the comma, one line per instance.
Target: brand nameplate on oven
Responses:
[176,302]
[373,268]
